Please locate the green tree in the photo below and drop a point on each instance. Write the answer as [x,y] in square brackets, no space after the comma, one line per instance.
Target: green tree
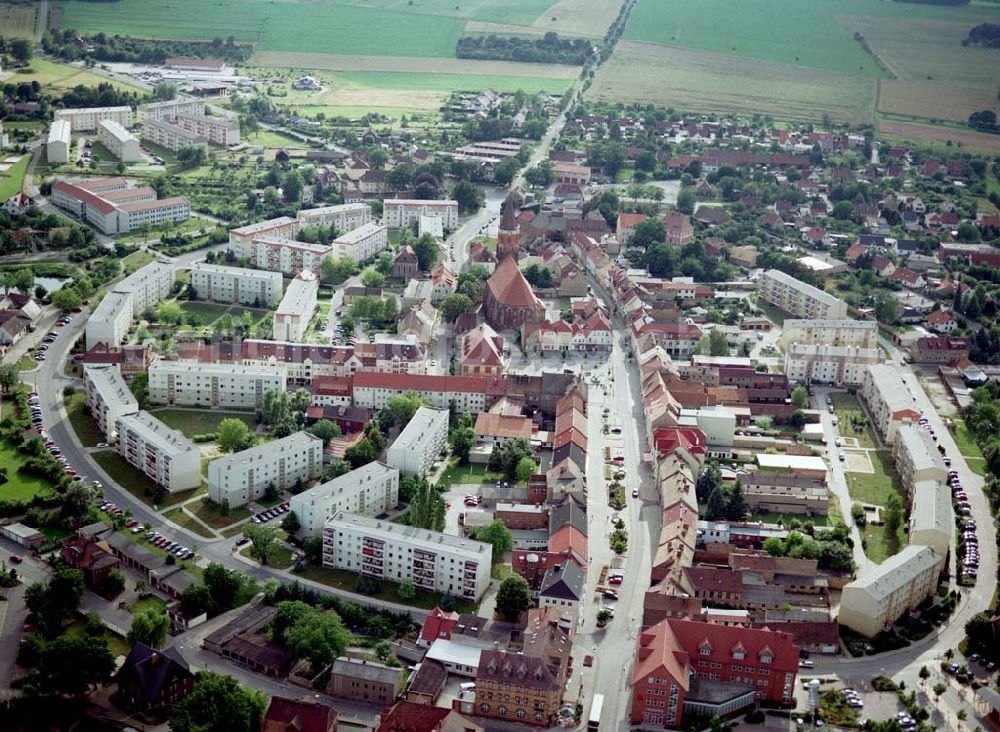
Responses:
[427,251]
[9,377]
[462,439]
[220,704]
[526,467]
[335,271]
[513,597]
[455,305]
[263,540]
[170,312]
[893,515]
[233,435]
[73,665]
[66,299]
[21,50]
[291,524]
[406,590]
[468,195]
[139,386]
[800,396]
[505,458]
[149,627]
[223,586]
[55,601]
[717,344]
[399,409]
[319,636]
[325,430]
[716,504]
[165,91]
[686,201]
[372,278]
[497,534]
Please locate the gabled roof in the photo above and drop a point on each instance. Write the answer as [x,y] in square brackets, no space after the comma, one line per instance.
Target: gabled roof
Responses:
[564,581]
[152,670]
[569,511]
[509,287]
[302,716]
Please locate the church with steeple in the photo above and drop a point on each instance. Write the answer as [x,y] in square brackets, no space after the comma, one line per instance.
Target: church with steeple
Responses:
[509,233]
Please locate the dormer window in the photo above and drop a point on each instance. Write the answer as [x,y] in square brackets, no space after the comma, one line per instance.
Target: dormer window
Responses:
[705,648]
[739,653]
[766,656]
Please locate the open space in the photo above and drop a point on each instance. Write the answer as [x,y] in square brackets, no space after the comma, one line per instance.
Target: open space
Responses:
[17,20]
[875,488]
[179,517]
[19,487]
[135,482]
[12,180]
[83,424]
[192,422]
[916,132]
[212,515]
[964,441]
[847,407]
[57,77]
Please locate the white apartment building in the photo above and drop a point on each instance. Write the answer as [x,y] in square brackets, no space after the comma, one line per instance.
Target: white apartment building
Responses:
[882,595]
[168,110]
[245,476]
[282,227]
[286,255]
[463,393]
[87,119]
[916,456]
[108,397]
[848,333]
[165,455]
[216,385]
[363,243]
[344,217]
[433,561]
[255,287]
[143,289]
[119,141]
[889,400]
[297,307]
[121,211]
[58,143]
[370,490]
[838,365]
[400,212]
[798,298]
[932,519]
[132,216]
[170,136]
[419,443]
[217,129]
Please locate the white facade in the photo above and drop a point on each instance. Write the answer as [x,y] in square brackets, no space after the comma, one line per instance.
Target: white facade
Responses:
[400,212]
[110,321]
[120,213]
[419,443]
[916,456]
[165,455]
[371,490]
[119,141]
[240,238]
[108,397]
[344,217]
[853,333]
[932,519]
[217,129]
[169,109]
[58,143]
[286,255]
[170,136]
[88,118]
[217,385]
[292,318]
[460,393]
[255,287]
[838,365]
[246,475]
[362,243]
[132,216]
[798,298]
[889,400]
[887,591]
[434,561]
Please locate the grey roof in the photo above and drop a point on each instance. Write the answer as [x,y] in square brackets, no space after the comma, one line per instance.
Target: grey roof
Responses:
[566,582]
[366,670]
[568,512]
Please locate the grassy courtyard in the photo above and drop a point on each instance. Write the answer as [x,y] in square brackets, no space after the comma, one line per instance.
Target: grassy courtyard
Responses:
[18,486]
[136,482]
[86,428]
[846,407]
[212,515]
[192,422]
[964,440]
[875,488]
[179,517]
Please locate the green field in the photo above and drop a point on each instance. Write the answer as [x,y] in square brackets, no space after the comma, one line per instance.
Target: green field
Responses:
[135,482]
[206,312]
[199,421]
[58,77]
[846,406]
[454,82]
[964,440]
[19,487]
[136,260]
[179,517]
[12,180]
[86,428]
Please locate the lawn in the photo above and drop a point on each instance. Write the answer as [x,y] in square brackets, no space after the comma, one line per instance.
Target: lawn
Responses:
[468,473]
[978,466]
[149,602]
[207,313]
[135,482]
[19,487]
[192,422]
[136,260]
[875,488]
[12,180]
[773,314]
[117,644]
[87,431]
[344,580]
[179,517]
[280,556]
[964,440]
[846,406]
[211,515]
[57,77]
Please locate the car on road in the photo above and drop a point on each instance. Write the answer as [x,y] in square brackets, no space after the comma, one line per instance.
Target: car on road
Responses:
[610,594]
[616,430]
[242,540]
[842,457]
[635,493]
[16,558]
[615,579]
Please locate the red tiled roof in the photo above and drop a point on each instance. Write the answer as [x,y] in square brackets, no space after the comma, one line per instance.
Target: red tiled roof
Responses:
[407,716]
[82,194]
[438,624]
[509,286]
[431,382]
[307,716]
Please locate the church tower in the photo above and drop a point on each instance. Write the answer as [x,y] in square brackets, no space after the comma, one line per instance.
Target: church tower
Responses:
[509,233]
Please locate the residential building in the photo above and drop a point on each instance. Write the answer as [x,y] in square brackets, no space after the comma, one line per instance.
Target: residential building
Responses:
[152,681]
[433,561]
[678,227]
[888,399]
[405,266]
[88,118]
[365,681]
[88,203]
[495,429]
[465,393]
[141,290]
[948,351]
[343,218]
[418,445]
[246,475]
[241,238]
[297,307]
[217,129]
[798,298]
[370,490]
[362,243]
[887,591]
[214,385]
[119,141]
[482,352]
[255,287]
[810,466]
[163,454]
[298,715]
[400,212]
[686,667]
[785,493]
[150,214]
[443,282]
[916,456]
[932,518]
[58,143]
[860,334]
[168,110]
[564,587]
[837,365]
[286,255]
[171,137]
[108,397]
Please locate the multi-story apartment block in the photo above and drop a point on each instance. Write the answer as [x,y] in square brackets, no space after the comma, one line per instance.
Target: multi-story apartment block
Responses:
[168,110]
[118,213]
[916,456]
[852,333]
[400,212]
[363,243]
[87,119]
[838,365]
[221,130]
[256,287]
[932,518]
[887,591]
[108,397]
[419,443]
[286,255]
[371,490]
[151,214]
[245,476]
[143,289]
[282,227]
[798,298]
[343,218]
[170,136]
[435,562]
[216,385]
[165,455]
[58,143]
[889,400]
[784,493]
[119,141]
[297,307]
[471,394]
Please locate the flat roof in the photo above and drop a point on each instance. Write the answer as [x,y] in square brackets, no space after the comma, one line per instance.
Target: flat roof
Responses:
[217,368]
[108,381]
[300,291]
[59,131]
[294,441]
[116,130]
[424,538]
[359,234]
[448,651]
[264,274]
[896,571]
[813,292]
[264,226]
[791,462]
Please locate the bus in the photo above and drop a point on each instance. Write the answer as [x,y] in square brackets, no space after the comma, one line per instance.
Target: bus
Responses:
[595,712]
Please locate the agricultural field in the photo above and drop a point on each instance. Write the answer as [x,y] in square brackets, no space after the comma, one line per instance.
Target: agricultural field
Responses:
[898,131]
[55,77]
[17,21]
[933,100]
[705,81]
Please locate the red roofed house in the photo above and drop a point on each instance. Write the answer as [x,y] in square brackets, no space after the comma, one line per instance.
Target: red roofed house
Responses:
[482,352]
[627,222]
[291,715]
[437,624]
[908,278]
[941,321]
[678,228]
[704,669]
[508,300]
